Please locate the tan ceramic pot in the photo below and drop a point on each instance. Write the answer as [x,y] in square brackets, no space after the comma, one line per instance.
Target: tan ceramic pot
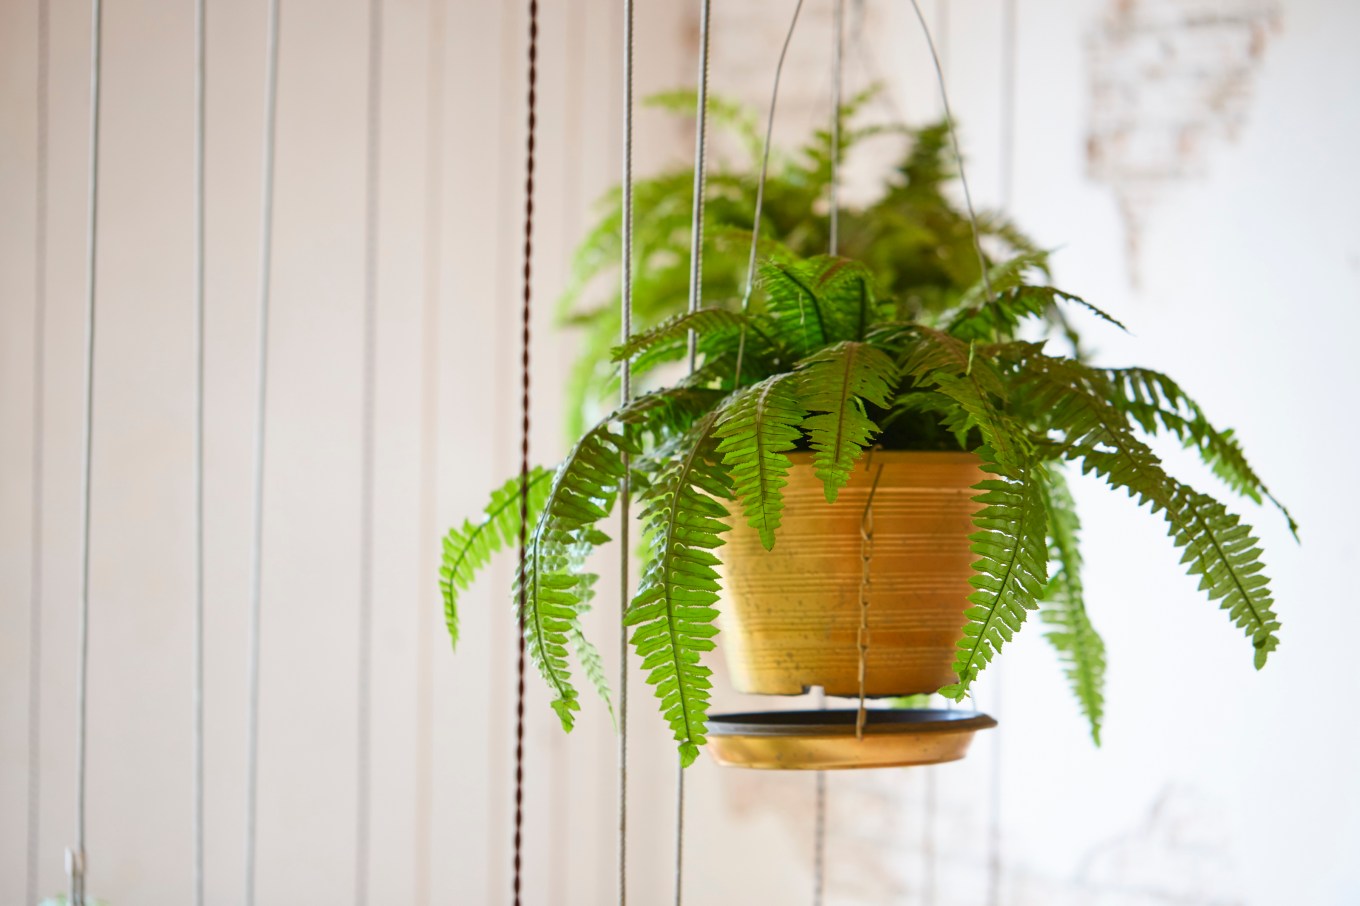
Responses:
[791,615]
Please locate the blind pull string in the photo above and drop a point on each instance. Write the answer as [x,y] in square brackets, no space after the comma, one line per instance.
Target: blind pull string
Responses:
[526,324]
[75,856]
[35,601]
[257,486]
[625,490]
[954,143]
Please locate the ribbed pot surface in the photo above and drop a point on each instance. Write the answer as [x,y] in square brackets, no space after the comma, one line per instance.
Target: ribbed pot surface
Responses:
[791,615]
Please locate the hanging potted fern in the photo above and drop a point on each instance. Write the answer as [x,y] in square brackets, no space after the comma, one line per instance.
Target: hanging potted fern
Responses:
[967,430]
[917,243]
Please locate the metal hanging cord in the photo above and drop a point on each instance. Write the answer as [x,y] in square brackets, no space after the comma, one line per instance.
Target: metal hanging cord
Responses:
[257,486]
[834,212]
[35,600]
[75,856]
[696,262]
[626,395]
[1006,187]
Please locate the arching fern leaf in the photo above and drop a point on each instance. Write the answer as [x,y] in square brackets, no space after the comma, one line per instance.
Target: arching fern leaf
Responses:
[1218,547]
[469,548]
[1158,404]
[673,610]
[549,591]
[758,428]
[1079,646]
[1011,544]
[836,383]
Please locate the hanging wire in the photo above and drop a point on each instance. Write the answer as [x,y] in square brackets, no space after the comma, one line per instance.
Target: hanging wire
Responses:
[696,264]
[958,155]
[200,135]
[257,485]
[75,856]
[837,74]
[626,394]
[35,596]
[760,187]
[429,444]
[526,323]
[364,690]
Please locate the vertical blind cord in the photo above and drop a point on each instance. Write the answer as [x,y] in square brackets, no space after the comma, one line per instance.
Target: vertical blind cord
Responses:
[363,709]
[626,394]
[1006,189]
[200,134]
[837,74]
[954,142]
[35,615]
[257,487]
[526,323]
[36,533]
[75,857]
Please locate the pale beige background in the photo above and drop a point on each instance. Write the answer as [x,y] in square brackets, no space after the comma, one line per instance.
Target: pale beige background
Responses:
[1216,785]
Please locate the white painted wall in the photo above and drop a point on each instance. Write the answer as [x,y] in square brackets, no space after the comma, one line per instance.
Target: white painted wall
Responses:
[1216,784]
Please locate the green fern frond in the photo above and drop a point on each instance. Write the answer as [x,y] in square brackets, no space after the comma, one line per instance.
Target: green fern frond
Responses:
[1011,545]
[1071,633]
[836,383]
[673,610]
[549,589]
[702,321]
[1003,277]
[1219,548]
[818,301]
[467,549]
[954,368]
[757,429]
[1158,404]
[1000,317]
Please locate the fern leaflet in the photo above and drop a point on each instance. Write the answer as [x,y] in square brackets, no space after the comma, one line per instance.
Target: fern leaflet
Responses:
[1012,567]
[1079,646]
[836,383]
[549,591]
[673,610]
[469,548]
[758,428]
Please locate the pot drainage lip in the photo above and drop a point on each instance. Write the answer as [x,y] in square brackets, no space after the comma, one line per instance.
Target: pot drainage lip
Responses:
[841,722]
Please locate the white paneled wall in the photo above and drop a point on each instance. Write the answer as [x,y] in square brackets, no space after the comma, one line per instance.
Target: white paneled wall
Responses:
[1216,785]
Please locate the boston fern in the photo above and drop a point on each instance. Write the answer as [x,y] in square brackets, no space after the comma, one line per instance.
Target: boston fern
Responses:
[820,361]
[915,241]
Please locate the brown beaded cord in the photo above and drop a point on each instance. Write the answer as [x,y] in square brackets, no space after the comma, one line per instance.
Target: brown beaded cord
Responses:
[525,318]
